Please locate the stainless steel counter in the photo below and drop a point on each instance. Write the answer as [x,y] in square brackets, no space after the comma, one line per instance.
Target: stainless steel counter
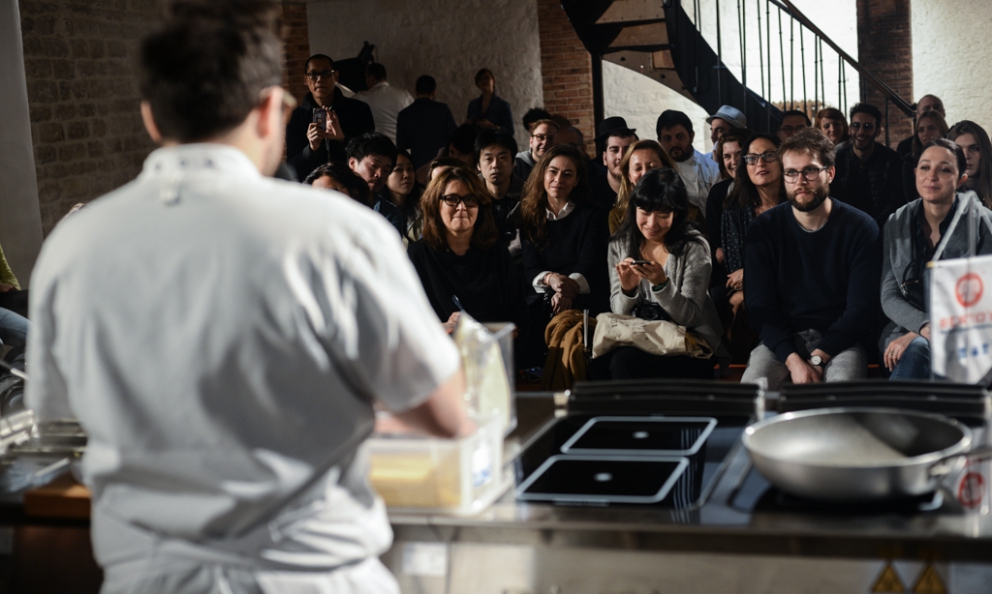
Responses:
[524,547]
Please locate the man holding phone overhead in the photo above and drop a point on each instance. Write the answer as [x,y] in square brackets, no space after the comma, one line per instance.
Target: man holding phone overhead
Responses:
[326,120]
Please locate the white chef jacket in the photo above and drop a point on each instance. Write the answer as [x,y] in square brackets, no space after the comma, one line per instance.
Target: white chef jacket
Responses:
[699,173]
[220,337]
[386,103]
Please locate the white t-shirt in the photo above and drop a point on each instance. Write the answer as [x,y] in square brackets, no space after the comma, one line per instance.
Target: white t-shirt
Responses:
[699,173]
[220,336]
[386,103]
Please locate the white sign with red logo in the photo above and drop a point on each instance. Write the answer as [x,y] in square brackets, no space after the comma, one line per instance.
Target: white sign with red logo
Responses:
[961,319]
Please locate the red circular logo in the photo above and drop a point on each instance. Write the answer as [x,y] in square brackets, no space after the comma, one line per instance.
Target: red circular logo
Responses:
[971,490]
[969,289]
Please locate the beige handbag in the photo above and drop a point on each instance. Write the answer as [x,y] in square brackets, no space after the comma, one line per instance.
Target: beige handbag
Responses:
[658,337]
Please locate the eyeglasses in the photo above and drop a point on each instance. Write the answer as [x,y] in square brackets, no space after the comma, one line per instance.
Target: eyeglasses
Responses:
[542,137]
[767,157]
[316,74]
[809,174]
[453,200]
[858,125]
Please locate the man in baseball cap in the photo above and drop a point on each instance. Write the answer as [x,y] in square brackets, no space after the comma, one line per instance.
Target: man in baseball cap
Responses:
[725,119]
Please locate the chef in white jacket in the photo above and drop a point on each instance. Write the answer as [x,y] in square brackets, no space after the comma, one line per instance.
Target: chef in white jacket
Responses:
[222,337]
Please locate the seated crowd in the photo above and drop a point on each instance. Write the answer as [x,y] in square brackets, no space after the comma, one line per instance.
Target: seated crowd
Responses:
[833,229]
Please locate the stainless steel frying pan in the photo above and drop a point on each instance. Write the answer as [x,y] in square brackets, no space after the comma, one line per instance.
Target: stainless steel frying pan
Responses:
[857,454]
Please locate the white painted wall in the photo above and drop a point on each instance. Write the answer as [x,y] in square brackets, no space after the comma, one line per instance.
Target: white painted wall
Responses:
[951,57]
[448,39]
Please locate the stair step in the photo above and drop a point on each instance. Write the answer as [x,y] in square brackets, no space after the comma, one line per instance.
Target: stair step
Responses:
[638,36]
[626,11]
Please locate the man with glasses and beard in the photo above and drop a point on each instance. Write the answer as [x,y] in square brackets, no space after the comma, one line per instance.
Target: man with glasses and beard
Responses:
[869,174]
[813,266]
[698,171]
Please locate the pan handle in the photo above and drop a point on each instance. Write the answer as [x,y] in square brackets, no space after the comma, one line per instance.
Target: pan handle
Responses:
[956,462]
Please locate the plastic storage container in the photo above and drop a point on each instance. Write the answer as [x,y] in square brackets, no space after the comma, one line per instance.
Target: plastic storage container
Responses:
[451,476]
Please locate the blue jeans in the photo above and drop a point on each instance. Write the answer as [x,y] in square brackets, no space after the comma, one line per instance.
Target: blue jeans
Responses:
[14,333]
[915,361]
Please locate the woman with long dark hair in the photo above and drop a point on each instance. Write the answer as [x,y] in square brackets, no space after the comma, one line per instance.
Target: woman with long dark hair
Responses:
[974,141]
[403,191]
[935,226]
[660,262]
[460,256]
[564,237]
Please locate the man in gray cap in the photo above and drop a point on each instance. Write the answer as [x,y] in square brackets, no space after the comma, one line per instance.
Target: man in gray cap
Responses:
[725,119]
[612,140]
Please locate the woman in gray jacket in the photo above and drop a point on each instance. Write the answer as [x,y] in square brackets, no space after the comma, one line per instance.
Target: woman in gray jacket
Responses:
[932,227]
[660,269]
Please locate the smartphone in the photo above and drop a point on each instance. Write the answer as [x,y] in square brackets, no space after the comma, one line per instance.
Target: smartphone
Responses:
[641,262]
[320,118]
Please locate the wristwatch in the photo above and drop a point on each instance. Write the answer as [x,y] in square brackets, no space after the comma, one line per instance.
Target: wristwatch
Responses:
[817,361]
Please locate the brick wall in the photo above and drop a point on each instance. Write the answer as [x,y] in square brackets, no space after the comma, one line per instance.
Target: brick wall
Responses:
[86,127]
[85,120]
[296,37]
[885,48]
[566,69]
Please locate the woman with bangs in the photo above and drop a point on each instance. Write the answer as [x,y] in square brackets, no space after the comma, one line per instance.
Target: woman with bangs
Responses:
[403,191]
[641,157]
[660,264]
[460,261]
[833,124]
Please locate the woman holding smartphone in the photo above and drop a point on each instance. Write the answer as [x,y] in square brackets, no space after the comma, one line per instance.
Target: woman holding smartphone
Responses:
[660,269]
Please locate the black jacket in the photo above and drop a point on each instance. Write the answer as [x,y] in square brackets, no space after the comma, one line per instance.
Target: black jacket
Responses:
[355,117]
[873,187]
[423,128]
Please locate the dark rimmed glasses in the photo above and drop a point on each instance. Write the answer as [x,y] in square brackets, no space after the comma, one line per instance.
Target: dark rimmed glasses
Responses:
[452,200]
[767,157]
[809,174]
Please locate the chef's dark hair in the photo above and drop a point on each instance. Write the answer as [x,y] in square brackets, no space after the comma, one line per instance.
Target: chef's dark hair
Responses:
[659,190]
[206,68]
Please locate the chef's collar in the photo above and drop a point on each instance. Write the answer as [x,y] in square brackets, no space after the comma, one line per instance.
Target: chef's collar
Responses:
[193,158]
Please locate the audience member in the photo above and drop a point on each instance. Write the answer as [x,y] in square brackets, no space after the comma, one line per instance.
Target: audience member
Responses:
[757,188]
[833,124]
[460,256]
[930,126]
[674,279]
[535,114]
[926,103]
[612,140]
[564,238]
[725,119]
[371,157]
[542,137]
[385,101]
[813,266]
[698,172]
[727,153]
[425,126]
[488,111]
[974,141]
[325,122]
[338,177]
[402,190]
[793,121]
[641,157]
[461,145]
[442,164]
[869,174]
[494,152]
[14,330]
[935,226]
[572,136]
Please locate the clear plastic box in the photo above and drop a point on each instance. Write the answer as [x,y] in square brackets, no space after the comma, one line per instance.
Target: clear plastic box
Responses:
[450,476]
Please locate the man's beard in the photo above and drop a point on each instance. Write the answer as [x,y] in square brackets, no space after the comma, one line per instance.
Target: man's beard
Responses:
[683,156]
[819,197]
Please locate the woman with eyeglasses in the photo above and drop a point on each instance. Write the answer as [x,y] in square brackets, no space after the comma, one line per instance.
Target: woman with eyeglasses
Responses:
[460,261]
[659,262]
[974,141]
[641,157]
[932,227]
[757,187]
[564,237]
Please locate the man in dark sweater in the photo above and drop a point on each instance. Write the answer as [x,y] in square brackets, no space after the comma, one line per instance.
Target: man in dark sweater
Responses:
[494,150]
[812,270]
[869,174]
[310,144]
[424,127]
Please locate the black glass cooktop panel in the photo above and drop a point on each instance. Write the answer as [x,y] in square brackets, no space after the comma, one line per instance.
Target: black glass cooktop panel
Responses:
[641,436]
[601,479]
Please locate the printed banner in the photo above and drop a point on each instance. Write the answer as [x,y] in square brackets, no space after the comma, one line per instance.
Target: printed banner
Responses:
[961,319]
